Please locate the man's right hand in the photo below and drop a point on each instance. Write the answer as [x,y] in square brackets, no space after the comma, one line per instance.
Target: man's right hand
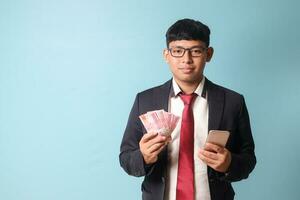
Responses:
[151,145]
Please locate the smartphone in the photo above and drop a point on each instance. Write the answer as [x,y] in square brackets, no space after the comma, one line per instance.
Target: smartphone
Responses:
[218,137]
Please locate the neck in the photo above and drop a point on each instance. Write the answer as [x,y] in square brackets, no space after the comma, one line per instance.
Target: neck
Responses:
[188,87]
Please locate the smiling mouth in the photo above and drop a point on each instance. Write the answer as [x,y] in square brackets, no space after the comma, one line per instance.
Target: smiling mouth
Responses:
[186,70]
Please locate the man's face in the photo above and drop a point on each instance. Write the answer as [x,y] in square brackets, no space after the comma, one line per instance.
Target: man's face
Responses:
[188,69]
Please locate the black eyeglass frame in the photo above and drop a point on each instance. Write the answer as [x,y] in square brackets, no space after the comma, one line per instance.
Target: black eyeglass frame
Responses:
[203,49]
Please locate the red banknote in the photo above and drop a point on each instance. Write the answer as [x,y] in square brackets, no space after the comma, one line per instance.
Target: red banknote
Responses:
[159,121]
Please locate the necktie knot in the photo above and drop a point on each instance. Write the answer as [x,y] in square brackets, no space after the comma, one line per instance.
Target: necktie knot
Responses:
[188,98]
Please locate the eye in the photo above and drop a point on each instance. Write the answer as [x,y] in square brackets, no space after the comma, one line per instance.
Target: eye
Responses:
[177,51]
[196,51]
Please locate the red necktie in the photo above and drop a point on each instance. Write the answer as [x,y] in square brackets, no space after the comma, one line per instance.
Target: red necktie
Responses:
[185,177]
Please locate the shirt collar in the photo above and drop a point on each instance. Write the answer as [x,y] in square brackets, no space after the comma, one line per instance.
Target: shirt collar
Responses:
[175,89]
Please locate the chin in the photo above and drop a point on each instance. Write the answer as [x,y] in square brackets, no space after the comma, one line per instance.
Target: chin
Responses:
[191,79]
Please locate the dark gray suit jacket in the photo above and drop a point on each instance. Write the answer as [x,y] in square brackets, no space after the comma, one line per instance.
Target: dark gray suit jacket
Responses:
[227,111]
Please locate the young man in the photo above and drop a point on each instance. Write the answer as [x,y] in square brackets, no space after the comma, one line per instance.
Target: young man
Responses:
[183,166]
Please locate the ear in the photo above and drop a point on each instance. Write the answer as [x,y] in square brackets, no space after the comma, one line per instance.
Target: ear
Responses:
[165,55]
[210,52]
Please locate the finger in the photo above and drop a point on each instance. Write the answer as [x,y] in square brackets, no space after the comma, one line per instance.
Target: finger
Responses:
[207,160]
[155,153]
[213,147]
[224,151]
[155,147]
[169,138]
[148,136]
[209,154]
[157,139]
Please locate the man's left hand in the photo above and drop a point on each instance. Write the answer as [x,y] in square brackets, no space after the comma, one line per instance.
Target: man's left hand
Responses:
[216,157]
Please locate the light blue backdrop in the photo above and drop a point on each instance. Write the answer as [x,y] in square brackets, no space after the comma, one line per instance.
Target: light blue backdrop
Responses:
[69,71]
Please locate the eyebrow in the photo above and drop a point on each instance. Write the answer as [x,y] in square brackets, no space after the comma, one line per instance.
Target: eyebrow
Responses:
[196,46]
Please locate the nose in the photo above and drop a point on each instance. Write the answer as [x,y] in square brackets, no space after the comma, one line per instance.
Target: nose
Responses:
[187,57]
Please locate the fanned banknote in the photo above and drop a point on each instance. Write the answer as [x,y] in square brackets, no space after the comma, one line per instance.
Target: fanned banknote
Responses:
[159,121]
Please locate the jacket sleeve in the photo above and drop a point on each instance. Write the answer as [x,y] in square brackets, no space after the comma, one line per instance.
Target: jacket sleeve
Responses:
[130,157]
[244,160]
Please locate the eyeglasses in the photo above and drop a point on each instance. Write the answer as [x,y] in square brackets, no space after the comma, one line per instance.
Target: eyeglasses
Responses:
[180,51]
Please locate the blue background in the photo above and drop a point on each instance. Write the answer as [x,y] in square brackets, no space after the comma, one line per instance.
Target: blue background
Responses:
[69,72]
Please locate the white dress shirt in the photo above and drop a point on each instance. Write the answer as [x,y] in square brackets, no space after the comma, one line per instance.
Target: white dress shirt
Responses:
[200,111]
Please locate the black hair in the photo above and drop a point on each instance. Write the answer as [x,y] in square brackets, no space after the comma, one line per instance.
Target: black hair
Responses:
[188,29]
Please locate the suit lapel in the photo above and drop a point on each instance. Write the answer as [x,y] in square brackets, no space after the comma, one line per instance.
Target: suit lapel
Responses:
[161,102]
[215,99]
[215,105]
[162,96]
